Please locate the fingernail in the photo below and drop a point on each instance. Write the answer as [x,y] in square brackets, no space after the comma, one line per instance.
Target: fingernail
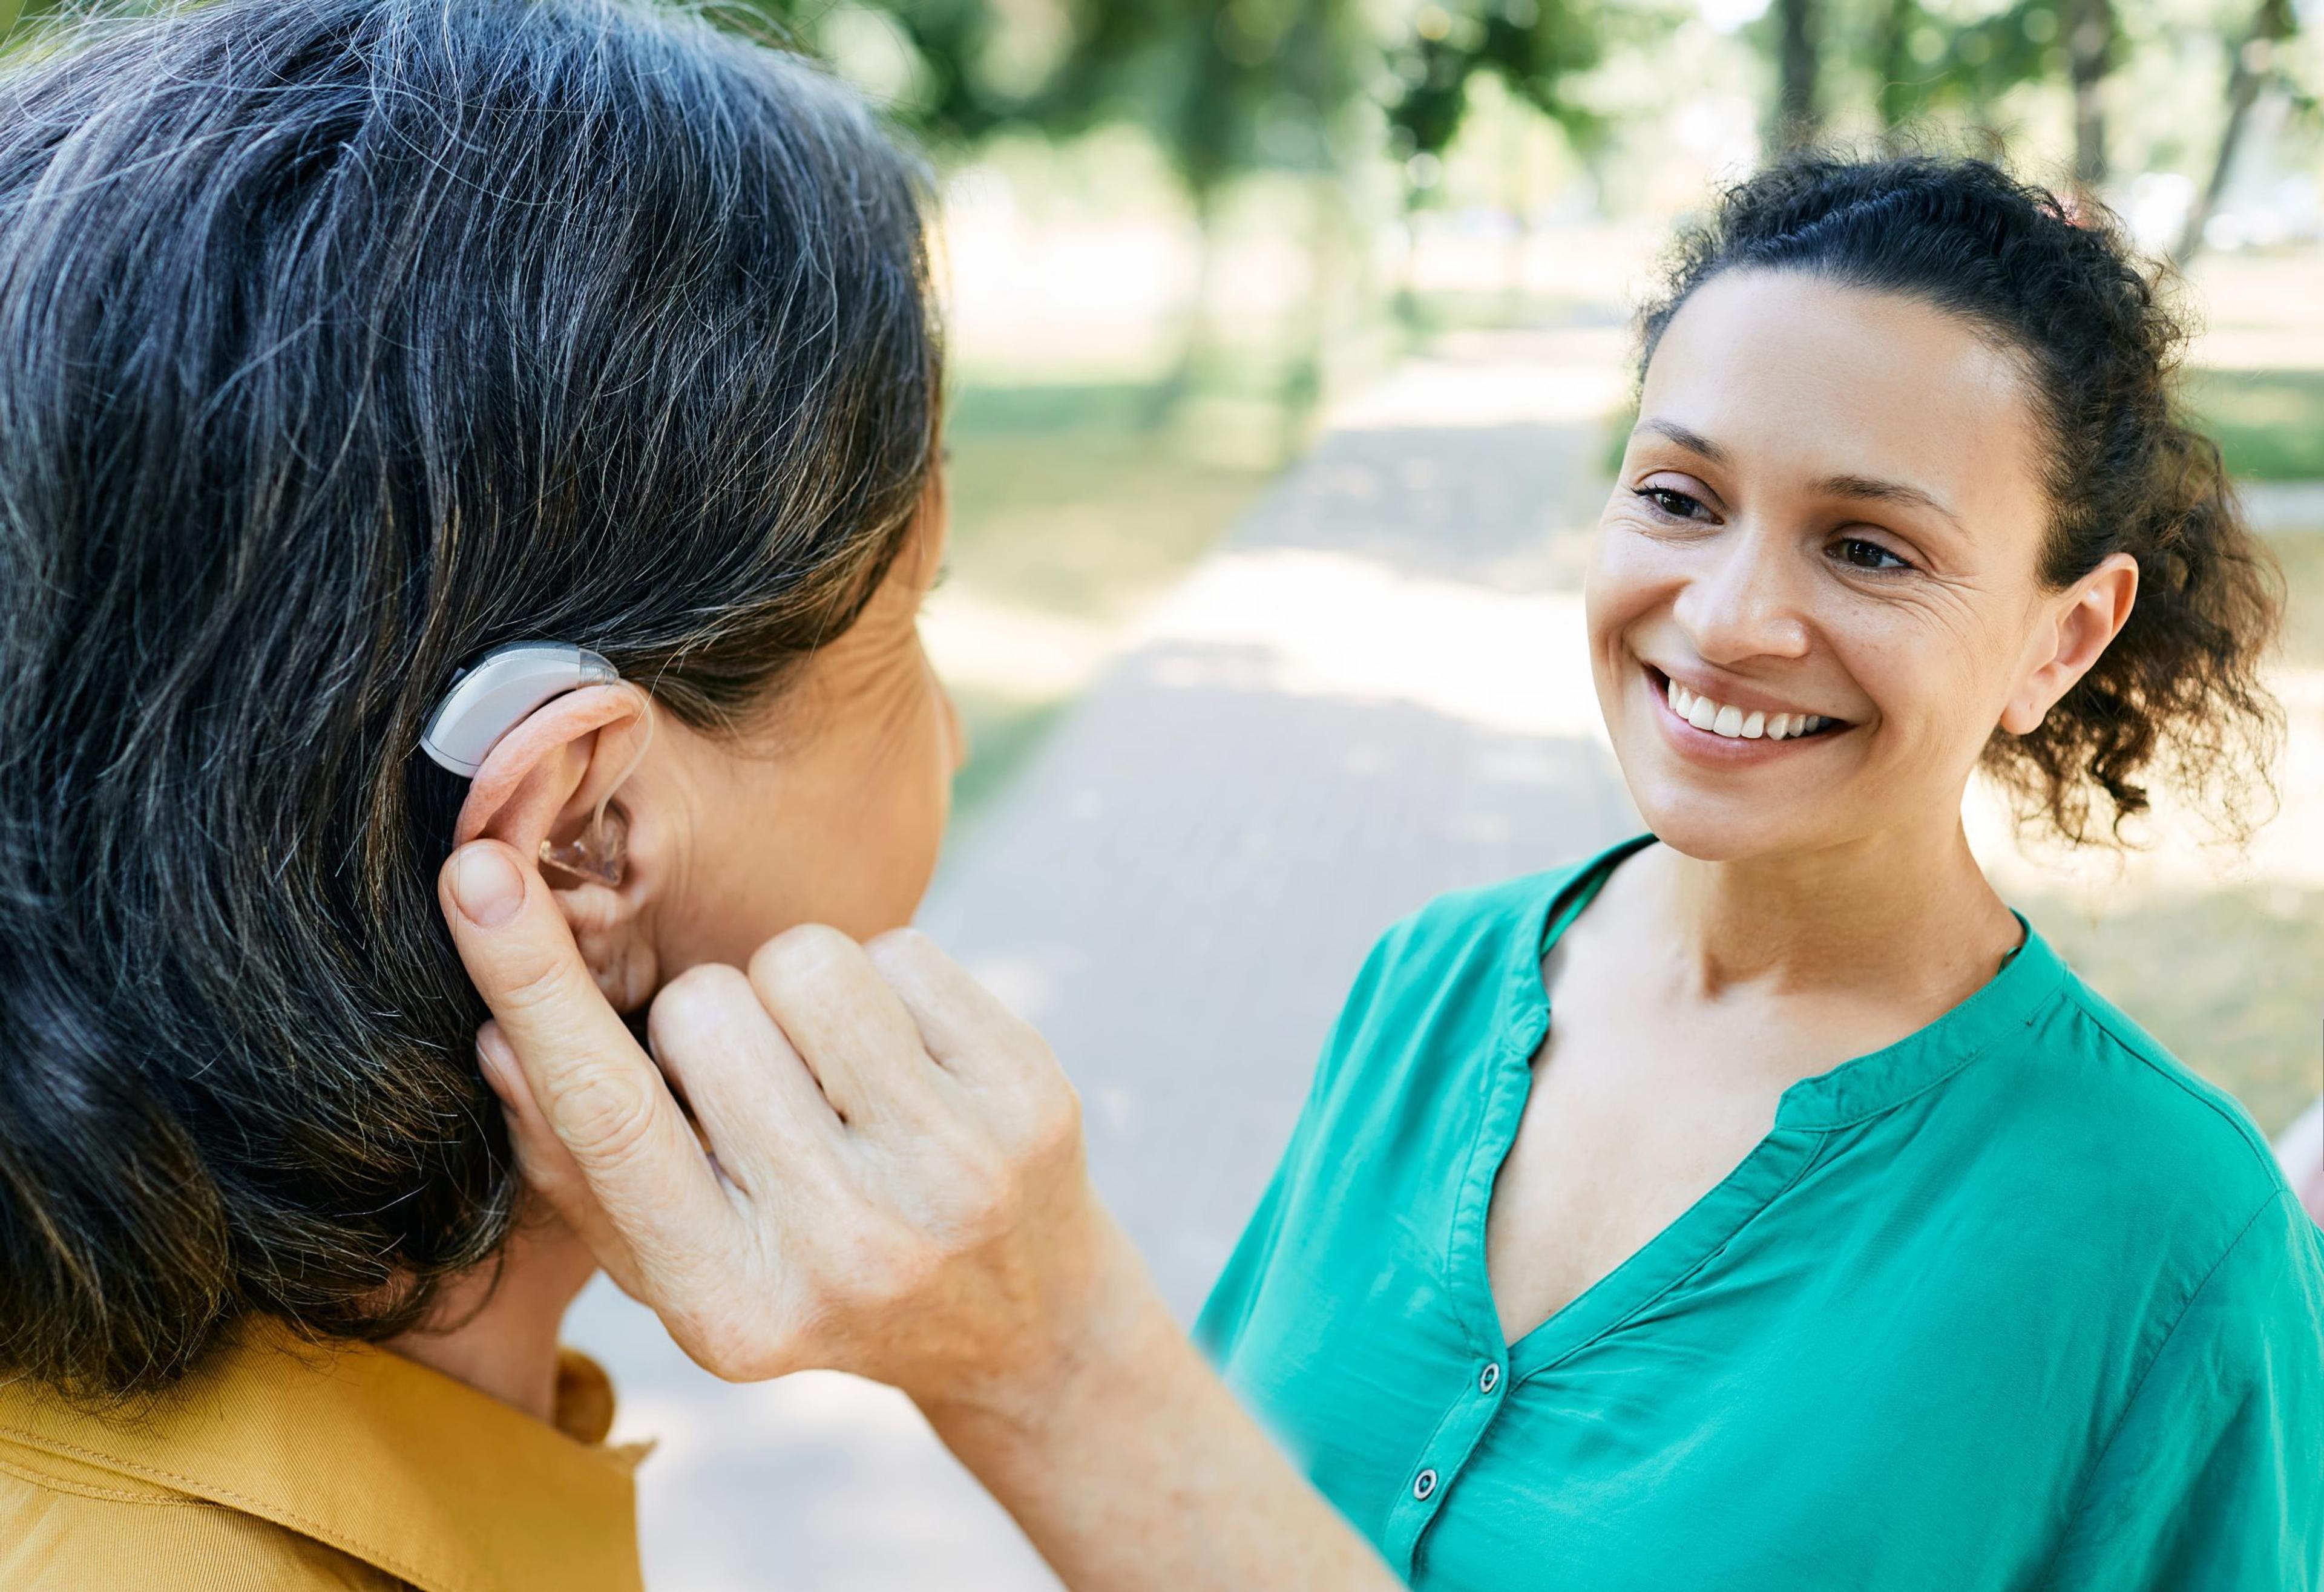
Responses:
[486,887]
[497,1061]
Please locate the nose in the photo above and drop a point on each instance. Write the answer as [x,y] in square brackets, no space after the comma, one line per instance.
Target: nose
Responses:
[1742,601]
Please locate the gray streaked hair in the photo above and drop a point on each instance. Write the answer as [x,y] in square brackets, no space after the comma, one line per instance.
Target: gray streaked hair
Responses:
[340,341]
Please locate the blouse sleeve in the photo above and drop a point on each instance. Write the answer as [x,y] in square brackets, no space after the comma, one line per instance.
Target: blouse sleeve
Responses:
[2214,1478]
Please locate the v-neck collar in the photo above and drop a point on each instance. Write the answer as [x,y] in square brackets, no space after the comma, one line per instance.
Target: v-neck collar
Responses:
[1809,1110]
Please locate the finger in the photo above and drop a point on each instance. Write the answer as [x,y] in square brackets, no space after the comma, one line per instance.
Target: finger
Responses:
[753,1098]
[848,1027]
[548,1168]
[964,1024]
[597,1092]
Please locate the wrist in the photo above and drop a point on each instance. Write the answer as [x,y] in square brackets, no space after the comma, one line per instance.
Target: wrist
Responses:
[1111,1340]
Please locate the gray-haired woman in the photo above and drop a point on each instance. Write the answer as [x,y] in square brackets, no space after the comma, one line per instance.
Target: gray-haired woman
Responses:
[344,342]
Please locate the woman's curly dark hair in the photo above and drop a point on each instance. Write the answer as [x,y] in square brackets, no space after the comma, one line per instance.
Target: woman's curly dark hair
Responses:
[2179,691]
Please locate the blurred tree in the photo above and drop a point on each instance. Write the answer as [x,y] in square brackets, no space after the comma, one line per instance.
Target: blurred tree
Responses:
[1226,87]
[1531,46]
[1535,47]
[2091,33]
[1799,44]
[1927,65]
[21,21]
[2255,64]
[946,97]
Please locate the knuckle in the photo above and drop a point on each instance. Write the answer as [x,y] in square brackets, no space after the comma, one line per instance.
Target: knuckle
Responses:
[800,955]
[604,1115]
[905,947]
[726,1349]
[1056,1121]
[698,1003]
[531,988]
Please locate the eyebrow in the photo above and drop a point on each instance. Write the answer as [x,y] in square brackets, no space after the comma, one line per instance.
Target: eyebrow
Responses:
[1694,442]
[1866,489]
[1861,488]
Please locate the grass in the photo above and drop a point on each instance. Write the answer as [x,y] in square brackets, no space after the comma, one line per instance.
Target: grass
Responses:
[2270,424]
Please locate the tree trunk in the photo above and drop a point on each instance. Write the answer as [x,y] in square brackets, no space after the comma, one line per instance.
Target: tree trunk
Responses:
[2089,28]
[1798,117]
[2254,63]
[1893,60]
[1163,402]
[1307,380]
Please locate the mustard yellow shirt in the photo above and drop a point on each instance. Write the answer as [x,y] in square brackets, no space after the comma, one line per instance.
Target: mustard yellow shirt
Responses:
[283,1467]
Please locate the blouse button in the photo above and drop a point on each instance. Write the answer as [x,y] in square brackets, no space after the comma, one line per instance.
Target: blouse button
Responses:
[1424,1484]
[1488,1378]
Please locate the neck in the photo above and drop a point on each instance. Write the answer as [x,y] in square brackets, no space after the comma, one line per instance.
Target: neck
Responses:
[1906,913]
[496,1328]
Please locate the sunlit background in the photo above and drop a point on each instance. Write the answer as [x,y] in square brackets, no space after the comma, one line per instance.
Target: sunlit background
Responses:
[1288,348]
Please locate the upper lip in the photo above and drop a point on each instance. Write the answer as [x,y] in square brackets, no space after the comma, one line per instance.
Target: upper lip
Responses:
[1739,696]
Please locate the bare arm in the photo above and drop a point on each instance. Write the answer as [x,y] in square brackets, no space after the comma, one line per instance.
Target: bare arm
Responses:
[895,1186]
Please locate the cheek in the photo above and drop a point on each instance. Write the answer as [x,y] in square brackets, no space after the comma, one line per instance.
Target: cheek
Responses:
[1933,664]
[1624,581]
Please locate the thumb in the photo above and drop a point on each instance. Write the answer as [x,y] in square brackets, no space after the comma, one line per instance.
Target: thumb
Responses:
[599,1093]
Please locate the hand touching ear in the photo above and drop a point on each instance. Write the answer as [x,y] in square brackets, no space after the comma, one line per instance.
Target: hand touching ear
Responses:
[883,1174]
[899,1187]
[546,789]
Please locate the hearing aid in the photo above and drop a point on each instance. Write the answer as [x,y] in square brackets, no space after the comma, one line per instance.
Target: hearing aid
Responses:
[499,692]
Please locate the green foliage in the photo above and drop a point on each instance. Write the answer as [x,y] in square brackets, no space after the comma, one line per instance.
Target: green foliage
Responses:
[2269,424]
[952,99]
[1225,86]
[1534,46]
[1928,62]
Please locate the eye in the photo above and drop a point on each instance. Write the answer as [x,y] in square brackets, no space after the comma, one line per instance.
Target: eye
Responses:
[1864,555]
[1668,501]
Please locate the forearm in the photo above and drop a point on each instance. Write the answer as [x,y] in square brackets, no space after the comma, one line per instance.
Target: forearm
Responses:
[1135,1468]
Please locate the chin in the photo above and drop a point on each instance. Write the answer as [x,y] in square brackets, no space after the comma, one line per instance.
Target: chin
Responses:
[1709,830]
[1696,818]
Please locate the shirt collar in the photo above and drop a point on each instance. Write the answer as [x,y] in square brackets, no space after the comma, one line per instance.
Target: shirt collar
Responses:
[1856,1089]
[381,1458]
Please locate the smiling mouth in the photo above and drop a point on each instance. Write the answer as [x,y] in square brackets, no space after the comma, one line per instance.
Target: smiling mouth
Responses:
[1729,722]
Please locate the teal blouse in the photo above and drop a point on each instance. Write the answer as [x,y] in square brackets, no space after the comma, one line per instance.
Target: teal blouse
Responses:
[2015,1302]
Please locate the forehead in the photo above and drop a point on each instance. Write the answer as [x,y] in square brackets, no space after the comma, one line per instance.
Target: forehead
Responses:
[1799,377]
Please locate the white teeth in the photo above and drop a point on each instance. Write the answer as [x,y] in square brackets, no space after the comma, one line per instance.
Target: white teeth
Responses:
[1733,722]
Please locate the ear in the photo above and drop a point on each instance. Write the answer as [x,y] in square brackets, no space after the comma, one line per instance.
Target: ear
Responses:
[2078,625]
[543,783]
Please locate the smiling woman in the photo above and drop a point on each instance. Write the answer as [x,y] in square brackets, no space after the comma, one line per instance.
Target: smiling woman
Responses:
[1831,1234]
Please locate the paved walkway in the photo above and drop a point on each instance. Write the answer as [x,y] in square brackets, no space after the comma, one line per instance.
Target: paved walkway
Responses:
[1375,692]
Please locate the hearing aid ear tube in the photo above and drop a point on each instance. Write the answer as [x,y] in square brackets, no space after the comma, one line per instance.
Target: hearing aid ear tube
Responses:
[506,685]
